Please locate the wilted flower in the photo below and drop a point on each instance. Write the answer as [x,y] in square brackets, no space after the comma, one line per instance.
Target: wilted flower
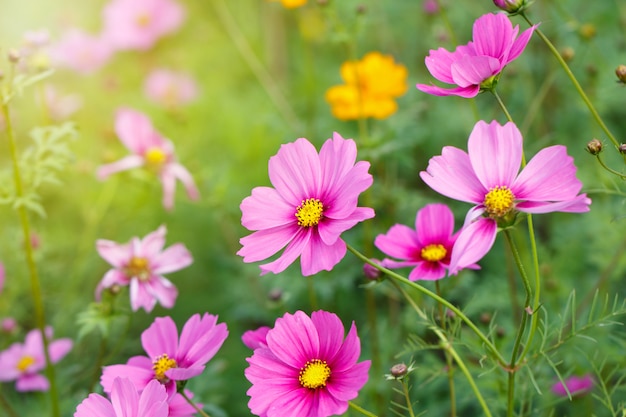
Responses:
[169,88]
[151,150]
[313,201]
[576,385]
[170,359]
[140,264]
[23,362]
[306,368]
[428,248]
[475,65]
[371,87]
[81,52]
[487,176]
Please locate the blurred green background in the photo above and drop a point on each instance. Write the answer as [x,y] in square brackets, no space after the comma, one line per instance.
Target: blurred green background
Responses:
[225,138]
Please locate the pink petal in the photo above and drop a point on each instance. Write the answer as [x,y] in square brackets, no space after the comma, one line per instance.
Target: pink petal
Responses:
[434,224]
[330,331]
[348,353]
[168,183]
[330,229]
[326,404]
[163,290]
[399,242]
[32,382]
[200,339]
[153,401]
[474,241]
[136,132]
[294,339]
[151,244]
[59,348]
[439,61]
[124,397]
[337,157]
[579,204]
[295,171]
[180,172]
[293,250]
[140,297]
[128,162]
[427,271]
[255,338]
[139,372]
[115,254]
[112,277]
[265,209]
[466,92]
[95,405]
[493,35]
[346,384]
[160,338]
[318,256]
[473,70]
[343,198]
[265,243]
[174,258]
[520,44]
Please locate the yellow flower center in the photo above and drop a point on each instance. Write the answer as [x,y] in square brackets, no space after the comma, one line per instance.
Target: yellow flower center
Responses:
[25,362]
[143,20]
[155,157]
[160,365]
[499,201]
[433,252]
[139,268]
[310,212]
[314,374]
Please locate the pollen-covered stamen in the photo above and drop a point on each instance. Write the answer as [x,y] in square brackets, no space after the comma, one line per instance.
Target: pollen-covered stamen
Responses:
[25,362]
[143,20]
[155,157]
[433,252]
[310,212]
[138,268]
[314,374]
[161,365]
[499,201]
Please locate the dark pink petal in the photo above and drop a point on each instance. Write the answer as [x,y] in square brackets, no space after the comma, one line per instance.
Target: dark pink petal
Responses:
[183,374]
[428,271]
[330,331]
[274,397]
[124,397]
[264,243]
[466,92]
[337,157]
[126,163]
[296,403]
[294,339]
[520,44]
[493,35]
[162,289]
[400,242]
[474,241]
[579,204]
[266,209]
[200,339]
[293,250]
[318,256]
[160,338]
[346,384]
[469,70]
[452,175]
[348,353]
[115,254]
[295,171]
[434,225]
[343,198]
[439,61]
[174,258]
[255,338]
[179,407]
[266,367]
[495,153]
[138,371]
[32,382]
[95,405]
[327,404]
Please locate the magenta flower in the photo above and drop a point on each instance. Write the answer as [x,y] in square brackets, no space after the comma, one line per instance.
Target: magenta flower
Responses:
[493,47]
[307,368]
[255,338]
[170,89]
[576,385]
[169,359]
[141,264]
[151,150]
[427,248]
[23,362]
[313,201]
[81,52]
[138,24]
[126,401]
[487,176]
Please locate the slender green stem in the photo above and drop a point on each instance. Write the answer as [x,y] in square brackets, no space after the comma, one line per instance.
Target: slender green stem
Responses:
[611,170]
[4,405]
[449,362]
[407,397]
[30,261]
[312,294]
[502,106]
[195,407]
[361,409]
[399,278]
[572,77]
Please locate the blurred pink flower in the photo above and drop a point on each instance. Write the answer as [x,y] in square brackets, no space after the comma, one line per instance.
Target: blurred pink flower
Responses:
[126,401]
[8,325]
[487,176]
[60,107]
[472,66]
[427,249]
[255,338]
[81,52]
[140,264]
[138,24]
[307,367]
[169,360]
[430,6]
[151,150]
[576,385]
[170,89]
[23,362]
[313,201]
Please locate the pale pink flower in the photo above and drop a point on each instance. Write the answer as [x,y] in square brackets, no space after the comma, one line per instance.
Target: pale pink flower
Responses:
[427,249]
[170,89]
[22,362]
[138,24]
[8,325]
[151,150]
[495,44]
[58,106]
[141,264]
[487,176]
[306,368]
[313,201]
[126,401]
[81,52]
[170,359]
[576,385]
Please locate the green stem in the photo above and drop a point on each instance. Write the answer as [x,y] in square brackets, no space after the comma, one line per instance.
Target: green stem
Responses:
[611,170]
[312,294]
[30,261]
[407,397]
[4,403]
[449,362]
[399,278]
[502,106]
[195,407]
[572,77]
[360,409]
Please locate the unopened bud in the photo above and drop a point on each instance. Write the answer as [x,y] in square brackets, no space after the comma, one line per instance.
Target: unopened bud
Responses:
[594,147]
[361,9]
[485,318]
[371,272]
[587,31]
[567,53]
[399,370]
[13,55]
[620,71]
[622,148]
[275,294]
[511,6]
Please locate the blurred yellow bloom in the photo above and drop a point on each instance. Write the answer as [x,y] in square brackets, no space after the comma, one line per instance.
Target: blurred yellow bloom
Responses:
[291,4]
[371,86]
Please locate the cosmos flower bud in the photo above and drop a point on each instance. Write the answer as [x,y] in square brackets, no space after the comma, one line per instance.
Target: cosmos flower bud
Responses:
[399,370]
[13,55]
[511,6]
[371,272]
[620,71]
[622,148]
[594,147]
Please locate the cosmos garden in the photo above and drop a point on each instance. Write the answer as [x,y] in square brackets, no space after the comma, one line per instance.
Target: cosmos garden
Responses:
[316,208]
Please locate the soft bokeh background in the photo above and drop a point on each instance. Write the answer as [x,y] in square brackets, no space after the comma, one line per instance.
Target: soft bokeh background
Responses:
[225,138]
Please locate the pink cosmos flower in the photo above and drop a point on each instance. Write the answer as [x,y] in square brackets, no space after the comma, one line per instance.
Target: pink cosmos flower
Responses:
[151,150]
[8,325]
[493,47]
[306,368]
[169,359]
[255,338]
[487,176]
[169,88]
[427,248]
[140,264]
[60,107]
[313,201]
[23,362]
[576,385]
[81,52]
[126,401]
[138,24]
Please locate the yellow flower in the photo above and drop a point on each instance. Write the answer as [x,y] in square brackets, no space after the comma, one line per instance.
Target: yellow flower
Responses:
[292,4]
[371,85]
